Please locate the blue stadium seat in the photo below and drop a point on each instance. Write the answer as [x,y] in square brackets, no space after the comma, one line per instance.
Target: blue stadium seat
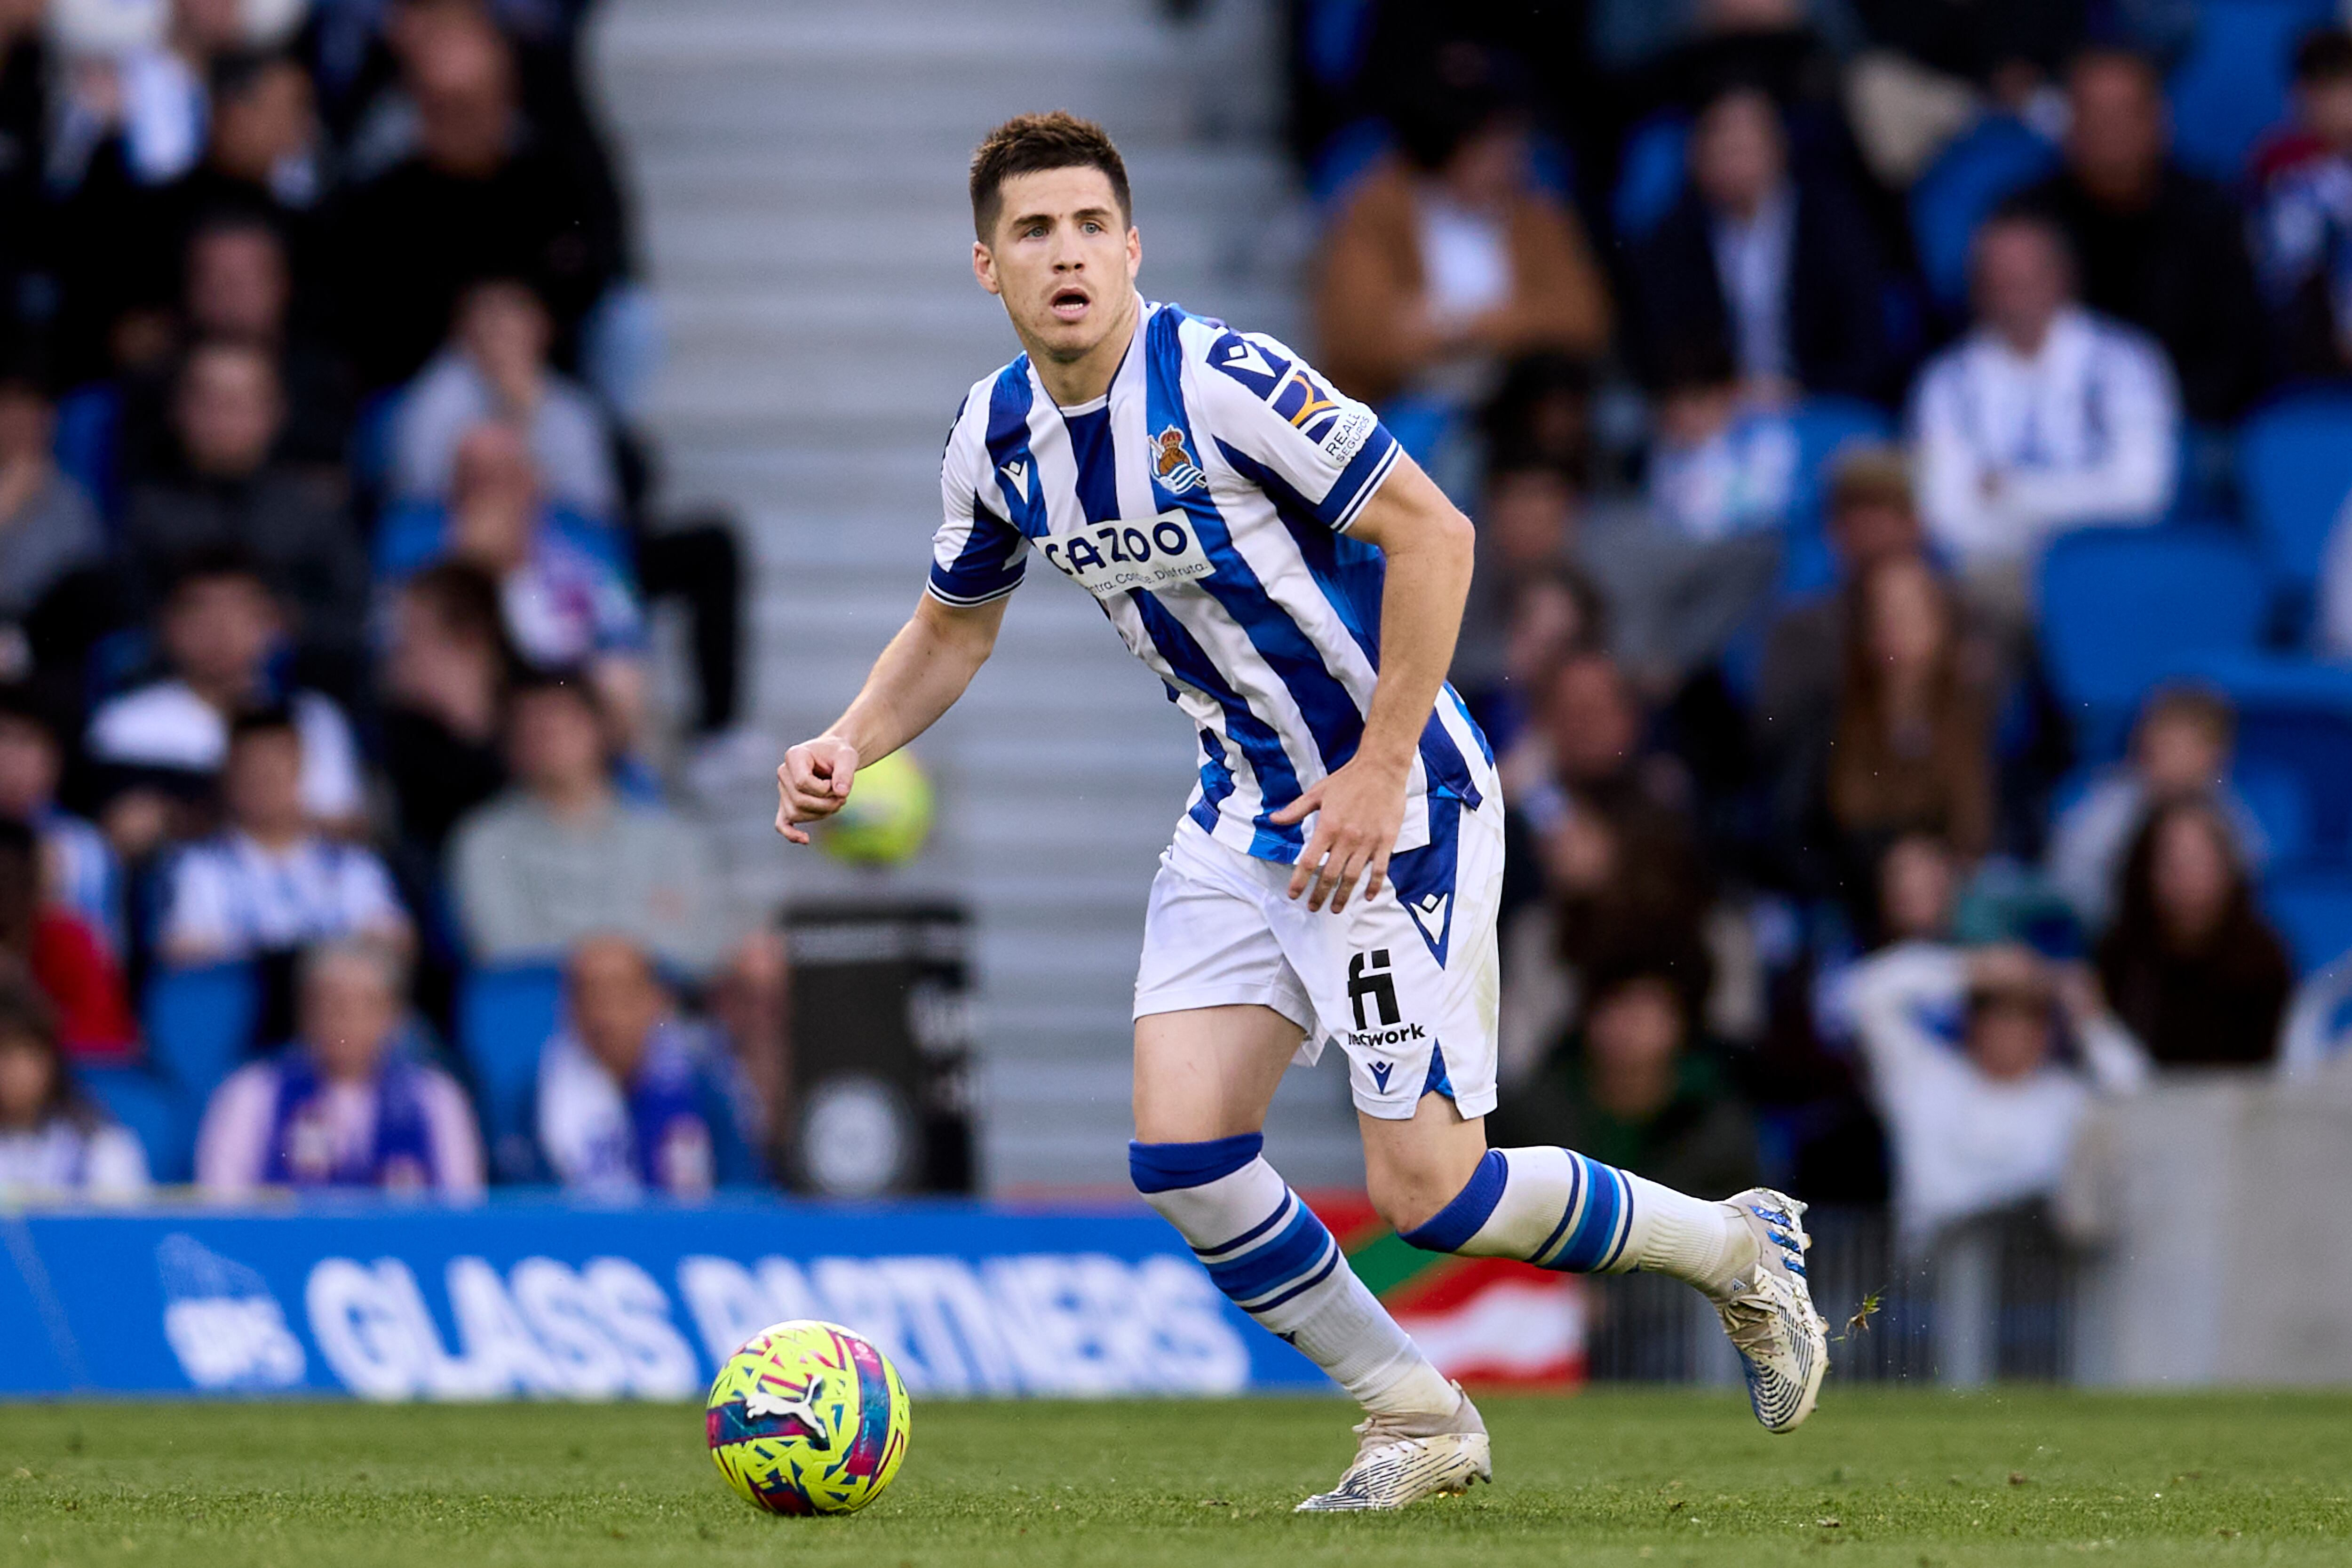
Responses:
[200,1024]
[504,1017]
[2294,466]
[2281,803]
[89,431]
[2233,84]
[157,1111]
[2295,715]
[1649,176]
[1826,427]
[2312,913]
[1993,161]
[2122,607]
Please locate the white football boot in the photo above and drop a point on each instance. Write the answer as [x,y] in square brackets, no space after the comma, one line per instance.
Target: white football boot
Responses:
[1769,1313]
[1401,1460]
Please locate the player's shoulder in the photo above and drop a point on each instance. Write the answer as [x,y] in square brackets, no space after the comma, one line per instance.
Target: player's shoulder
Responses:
[1257,387]
[1256,364]
[1004,393]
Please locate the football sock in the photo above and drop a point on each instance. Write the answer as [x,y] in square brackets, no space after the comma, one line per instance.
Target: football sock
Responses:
[1557,1209]
[1275,1260]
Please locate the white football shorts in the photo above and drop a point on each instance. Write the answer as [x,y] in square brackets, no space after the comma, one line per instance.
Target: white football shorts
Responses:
[1406,983]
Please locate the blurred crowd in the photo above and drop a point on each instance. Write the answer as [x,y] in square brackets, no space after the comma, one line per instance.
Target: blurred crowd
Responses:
[325,562]
[1814,878]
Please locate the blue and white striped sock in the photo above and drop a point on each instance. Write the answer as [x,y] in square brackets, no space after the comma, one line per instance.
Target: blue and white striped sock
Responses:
[1555,1209]
[1268,1252]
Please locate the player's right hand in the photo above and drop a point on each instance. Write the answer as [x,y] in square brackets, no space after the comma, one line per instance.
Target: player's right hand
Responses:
[812,783]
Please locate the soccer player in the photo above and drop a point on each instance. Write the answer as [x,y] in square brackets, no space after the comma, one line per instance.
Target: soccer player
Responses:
[1263,545]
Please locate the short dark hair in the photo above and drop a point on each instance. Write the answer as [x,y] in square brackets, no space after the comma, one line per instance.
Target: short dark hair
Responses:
[534,681]
[2323,55]
[272,719]
[1031,143]
[211,563]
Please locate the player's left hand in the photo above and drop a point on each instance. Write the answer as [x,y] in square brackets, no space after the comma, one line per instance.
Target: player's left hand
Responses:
[1359,810]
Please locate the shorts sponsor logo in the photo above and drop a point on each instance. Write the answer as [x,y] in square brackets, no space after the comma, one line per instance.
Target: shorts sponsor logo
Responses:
[1375,1039]
[1380,1071]
[1368,980]
[1114,558]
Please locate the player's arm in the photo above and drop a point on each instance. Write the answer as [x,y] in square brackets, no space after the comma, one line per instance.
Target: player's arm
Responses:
[918,677]
[1428,545]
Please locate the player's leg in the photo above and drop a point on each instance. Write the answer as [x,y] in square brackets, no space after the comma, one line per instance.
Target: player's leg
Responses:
[1417,978]
[1203,1078]
[1558,1209]
[1432,1177]
[1220,1015]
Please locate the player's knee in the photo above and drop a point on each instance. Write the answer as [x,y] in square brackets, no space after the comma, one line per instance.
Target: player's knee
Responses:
[1406,1199]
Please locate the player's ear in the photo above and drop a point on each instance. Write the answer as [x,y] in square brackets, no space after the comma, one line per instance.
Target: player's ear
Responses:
[1134,252]
[984,266]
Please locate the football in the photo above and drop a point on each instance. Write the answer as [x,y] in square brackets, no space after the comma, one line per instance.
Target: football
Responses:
[808,1417]
[887,817]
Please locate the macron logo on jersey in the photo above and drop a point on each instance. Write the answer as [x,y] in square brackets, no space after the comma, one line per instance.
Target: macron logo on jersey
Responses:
[1255,368]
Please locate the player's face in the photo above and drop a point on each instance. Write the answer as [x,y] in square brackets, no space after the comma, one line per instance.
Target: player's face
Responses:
[1063,259]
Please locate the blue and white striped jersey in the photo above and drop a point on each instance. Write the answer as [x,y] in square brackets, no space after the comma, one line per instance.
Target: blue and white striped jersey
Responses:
[1205,502]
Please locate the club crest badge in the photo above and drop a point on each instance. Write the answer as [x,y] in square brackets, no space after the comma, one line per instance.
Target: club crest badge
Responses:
[1177,472]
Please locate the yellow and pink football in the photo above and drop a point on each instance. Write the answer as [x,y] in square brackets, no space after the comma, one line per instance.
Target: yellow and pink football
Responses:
[807,1417]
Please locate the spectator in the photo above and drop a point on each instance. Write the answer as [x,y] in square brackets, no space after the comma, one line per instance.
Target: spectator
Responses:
[2046,417]
[2157,247]
[126,241]
[496,368]
[1989,1124]
[53,1143]
[478,199]
[564,605]
[241,288]
[167,739]
[562,857]
[348,1104]
[64,956]
[271,883]
[2303,212]
[1530,602]
[1871,518]
[630,1095]
[1606,829]
[49,528]
[1639,1090]
[79,872]
[2188,964]
[1684,574]
[1918,891]
[1450,257]
[1782,272]
[444,683]
[1912,749]
[225,490]
[2180,747]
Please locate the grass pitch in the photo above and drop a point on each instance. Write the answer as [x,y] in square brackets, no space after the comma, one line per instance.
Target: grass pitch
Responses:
[1914,1479]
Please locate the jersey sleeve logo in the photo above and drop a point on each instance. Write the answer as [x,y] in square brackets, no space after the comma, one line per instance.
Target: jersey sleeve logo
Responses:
[1311,408]
[1177,472]
[1255,366]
